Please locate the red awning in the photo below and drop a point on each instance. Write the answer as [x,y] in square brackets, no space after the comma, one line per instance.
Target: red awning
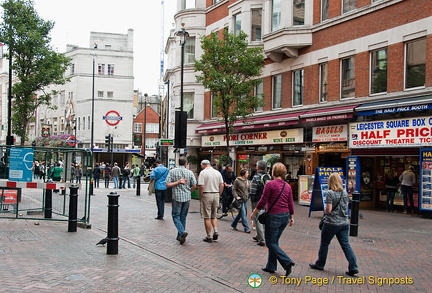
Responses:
[252,123]
[337,113]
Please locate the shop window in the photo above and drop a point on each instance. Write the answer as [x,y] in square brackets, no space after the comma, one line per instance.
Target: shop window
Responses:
[298,87]
[323,82]
[379,71]
[277,91]
[276,12]
[415,63]
[298,12]
[348,77]
[256,24]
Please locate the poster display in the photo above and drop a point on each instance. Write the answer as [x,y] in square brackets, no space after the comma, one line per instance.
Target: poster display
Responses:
[305,186]
[320,186]
[21,164]
[353,174]
[425,186]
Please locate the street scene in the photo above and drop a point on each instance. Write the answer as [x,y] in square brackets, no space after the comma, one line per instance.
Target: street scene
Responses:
[392,249]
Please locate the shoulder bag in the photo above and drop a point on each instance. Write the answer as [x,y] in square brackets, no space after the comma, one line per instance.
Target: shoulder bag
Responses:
[263,217]
[321,223]
[151,188]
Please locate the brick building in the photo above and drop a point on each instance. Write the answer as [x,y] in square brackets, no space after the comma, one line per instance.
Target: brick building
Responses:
[341,78]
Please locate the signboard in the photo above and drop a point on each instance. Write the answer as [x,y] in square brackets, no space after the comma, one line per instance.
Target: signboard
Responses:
[243,158]
[112,118]
[320,187]
[137,138]
[396,110]
[330,133]
[71,140]
[45,132]
[425,186]
[21,164]
[256,138]
[166,142]
[391,133]
[9,196]
[328,118]
[305,186]
[353,174]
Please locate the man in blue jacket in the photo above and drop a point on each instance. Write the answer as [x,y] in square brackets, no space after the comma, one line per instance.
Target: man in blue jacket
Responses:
[159,174]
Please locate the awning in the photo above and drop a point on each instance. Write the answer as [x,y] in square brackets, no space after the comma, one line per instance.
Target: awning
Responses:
[395,106]
[252,123]
[337,113]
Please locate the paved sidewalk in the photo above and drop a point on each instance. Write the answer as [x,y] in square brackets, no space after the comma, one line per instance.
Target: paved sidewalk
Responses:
[41,256]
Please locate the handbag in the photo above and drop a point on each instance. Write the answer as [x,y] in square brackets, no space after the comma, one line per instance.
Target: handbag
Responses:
[150,187]
[321,223]
[263,217]
[237,203]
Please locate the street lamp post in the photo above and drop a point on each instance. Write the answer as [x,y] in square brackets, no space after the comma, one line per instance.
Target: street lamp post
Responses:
[181,127]
[144,136]
[92,105]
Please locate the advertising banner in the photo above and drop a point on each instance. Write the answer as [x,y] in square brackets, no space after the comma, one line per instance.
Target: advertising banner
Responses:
[353,174]
[405,132]
[330,133]
[320,186]
[425,186]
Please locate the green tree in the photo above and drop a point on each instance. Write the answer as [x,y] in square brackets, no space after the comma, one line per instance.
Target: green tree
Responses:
[229,69]
[35,64]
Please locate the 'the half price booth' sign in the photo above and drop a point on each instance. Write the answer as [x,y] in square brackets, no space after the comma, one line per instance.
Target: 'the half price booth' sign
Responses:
[391,133]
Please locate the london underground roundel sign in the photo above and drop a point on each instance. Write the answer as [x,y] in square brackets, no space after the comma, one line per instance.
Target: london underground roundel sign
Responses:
[112,118]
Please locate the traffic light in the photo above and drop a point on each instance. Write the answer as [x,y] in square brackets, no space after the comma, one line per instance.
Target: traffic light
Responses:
[108,141]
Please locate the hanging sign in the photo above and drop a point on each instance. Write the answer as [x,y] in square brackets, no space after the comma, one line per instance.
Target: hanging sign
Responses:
[112,118]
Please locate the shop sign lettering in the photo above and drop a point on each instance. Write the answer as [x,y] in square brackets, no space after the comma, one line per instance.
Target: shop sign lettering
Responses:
[399,132]
[330,133]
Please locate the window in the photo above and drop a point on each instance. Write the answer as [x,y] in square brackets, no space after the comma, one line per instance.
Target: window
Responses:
[190,50]
[213,108]
[237,24]
[137,127]
[348,5]
[79,123]
[188,104]
[298,87]
[379,71]
[259,92]
[62,97]
[110,94]
[186,4]
[256,24]
[324,9]
[152,128]
[100,94]
[348,77]
[83,122]
[88,119]
[276,14]
[298,12]
[415,63]
[323,82]
[101,69]
[110,69]
[72,69]
[151,143]
[277,91]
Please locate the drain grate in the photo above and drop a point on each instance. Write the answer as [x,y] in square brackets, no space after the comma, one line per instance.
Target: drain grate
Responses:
[16,233]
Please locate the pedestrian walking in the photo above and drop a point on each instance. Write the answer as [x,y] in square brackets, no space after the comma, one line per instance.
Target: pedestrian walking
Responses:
[278,199]
[257,187]
[135,174]
[241,190]
[126,173]
[56,174]
[115,175]
[72,173]
[107,175]
[391,186]
[97,173]
[183,183]
[336,223]
[160,174]
[211,186]
[78,173]
[227,195]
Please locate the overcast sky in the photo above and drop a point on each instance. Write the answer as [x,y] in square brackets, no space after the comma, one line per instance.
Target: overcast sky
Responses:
[74,20]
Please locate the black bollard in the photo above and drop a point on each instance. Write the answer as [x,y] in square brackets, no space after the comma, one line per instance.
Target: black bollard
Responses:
[48,204]
[355,206]
[112,244]
[73,208]
[138,183]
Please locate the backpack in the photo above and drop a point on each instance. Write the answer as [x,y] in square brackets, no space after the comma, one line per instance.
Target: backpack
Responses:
[263,178]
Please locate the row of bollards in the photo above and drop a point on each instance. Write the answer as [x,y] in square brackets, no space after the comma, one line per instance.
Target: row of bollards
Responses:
[112,234]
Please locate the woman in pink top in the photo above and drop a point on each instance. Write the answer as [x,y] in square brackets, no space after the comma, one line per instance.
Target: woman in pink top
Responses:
[278,199]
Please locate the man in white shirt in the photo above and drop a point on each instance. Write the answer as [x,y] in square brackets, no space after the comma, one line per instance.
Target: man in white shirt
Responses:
[211,186]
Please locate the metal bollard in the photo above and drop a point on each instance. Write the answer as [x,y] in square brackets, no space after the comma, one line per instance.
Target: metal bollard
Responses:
[91,186]
[73,208]
[138,183]
[48,204]
[112,244]
[355,206]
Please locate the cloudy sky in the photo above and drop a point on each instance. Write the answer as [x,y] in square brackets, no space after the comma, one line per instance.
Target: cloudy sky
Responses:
[74,20]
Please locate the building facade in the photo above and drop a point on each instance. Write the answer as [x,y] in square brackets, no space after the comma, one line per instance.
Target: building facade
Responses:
[347,78]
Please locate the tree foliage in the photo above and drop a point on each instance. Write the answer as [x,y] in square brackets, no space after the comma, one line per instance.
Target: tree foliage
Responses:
[35,64]
[230,70]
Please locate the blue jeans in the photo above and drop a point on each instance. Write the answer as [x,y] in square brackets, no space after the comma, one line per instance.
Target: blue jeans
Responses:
[241,215]
[126,178]
[116,181]
[327,234]
[160,202]
[179,213]
[408,194]
[390,199]
[274,227]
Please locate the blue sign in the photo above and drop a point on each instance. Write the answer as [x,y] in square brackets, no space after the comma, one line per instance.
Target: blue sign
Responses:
[320,187]
[21,164]
[425,186]
[395,110]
